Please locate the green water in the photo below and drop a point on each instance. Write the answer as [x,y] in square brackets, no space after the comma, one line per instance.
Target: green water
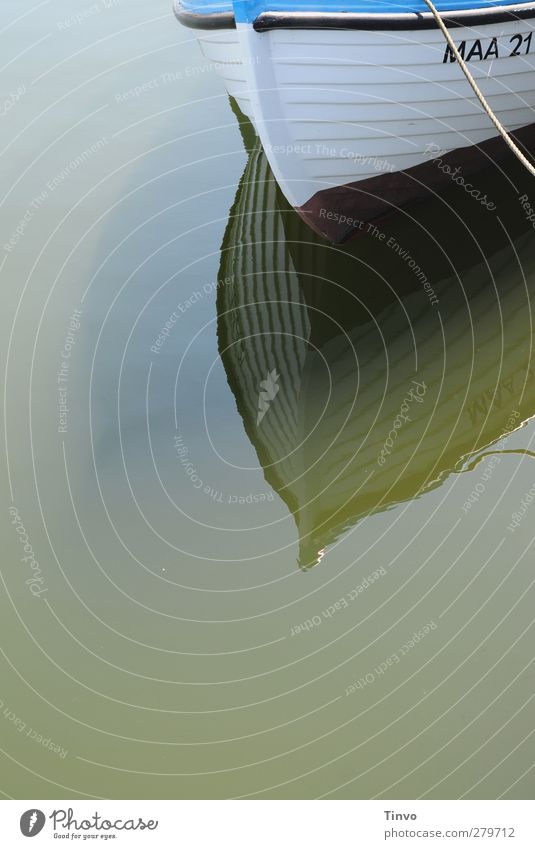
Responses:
[246,467]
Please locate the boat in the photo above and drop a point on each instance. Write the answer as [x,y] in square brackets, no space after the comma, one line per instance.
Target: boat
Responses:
[361,105]
[374,349]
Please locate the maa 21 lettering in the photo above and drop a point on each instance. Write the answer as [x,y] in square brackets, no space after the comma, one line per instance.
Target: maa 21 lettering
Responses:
[518,45]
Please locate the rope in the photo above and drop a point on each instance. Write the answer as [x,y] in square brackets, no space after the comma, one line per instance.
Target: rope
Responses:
[501,129]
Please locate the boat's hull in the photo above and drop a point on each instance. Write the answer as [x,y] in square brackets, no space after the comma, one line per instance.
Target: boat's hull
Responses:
[340,213]
[223,50]
[374,110]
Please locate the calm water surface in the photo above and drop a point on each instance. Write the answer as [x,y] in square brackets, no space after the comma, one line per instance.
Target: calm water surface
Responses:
[274,497]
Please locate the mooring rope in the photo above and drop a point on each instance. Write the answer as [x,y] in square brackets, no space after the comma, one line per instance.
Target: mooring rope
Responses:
[477,91]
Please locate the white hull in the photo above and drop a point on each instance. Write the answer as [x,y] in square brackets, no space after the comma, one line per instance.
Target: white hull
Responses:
[223,49]
[334,107]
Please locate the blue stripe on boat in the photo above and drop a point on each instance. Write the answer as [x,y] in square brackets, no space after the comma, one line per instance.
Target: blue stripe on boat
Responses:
[246,11]
[206,7]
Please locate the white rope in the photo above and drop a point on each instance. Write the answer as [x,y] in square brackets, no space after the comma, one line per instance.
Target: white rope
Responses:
[501,129]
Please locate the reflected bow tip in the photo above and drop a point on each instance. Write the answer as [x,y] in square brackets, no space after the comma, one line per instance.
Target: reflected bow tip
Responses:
[309,555]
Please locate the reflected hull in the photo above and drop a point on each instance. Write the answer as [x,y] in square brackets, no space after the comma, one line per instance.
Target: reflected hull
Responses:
[383,392]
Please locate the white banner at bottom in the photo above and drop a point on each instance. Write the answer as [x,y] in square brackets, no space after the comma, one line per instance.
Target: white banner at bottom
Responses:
[268,824]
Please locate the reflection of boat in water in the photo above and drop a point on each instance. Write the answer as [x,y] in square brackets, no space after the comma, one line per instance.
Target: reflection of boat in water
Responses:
[378,386]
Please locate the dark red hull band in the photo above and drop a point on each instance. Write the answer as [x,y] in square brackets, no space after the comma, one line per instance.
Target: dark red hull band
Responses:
[338,213]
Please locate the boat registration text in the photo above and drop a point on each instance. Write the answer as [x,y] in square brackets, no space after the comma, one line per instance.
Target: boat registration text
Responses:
[518,45]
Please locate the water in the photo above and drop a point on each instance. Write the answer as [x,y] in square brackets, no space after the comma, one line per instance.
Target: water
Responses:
[224,580]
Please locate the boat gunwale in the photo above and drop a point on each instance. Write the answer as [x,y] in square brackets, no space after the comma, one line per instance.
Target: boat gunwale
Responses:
[390,21]
[267,21]
[198,20]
